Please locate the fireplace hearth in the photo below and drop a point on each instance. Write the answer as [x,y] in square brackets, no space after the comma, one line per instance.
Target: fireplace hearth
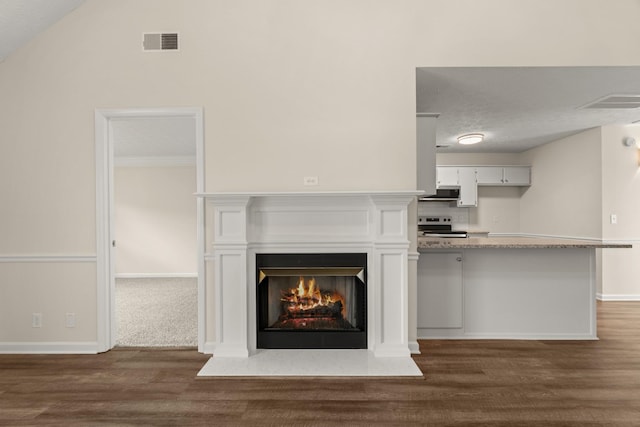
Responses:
[311,301]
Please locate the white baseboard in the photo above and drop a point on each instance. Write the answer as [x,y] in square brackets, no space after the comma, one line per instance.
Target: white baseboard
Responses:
[617,297]
[156,275]
[414,347]
[88,347]
[209,347]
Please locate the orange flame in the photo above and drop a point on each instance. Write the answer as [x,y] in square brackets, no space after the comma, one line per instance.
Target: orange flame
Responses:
[308,295]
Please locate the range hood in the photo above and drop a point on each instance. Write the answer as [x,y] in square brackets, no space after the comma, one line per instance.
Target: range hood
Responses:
[442,195]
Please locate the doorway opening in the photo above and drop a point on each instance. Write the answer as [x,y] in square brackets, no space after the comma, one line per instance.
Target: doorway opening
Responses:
[150,227]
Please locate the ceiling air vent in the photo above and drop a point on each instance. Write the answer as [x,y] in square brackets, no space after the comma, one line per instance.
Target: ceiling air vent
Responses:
[160,41]
[615,101]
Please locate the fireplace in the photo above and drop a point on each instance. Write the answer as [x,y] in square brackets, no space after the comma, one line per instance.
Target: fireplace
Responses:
[313,301]
[247,229]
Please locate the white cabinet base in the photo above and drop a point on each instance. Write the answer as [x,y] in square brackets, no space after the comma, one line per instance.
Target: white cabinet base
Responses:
[440,290]
[525,294]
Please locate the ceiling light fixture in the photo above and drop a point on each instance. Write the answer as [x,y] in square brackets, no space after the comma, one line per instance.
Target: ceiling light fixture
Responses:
[471,138]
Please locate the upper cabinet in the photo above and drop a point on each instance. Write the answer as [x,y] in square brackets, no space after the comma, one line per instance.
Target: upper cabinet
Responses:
[468,178]
[447,176]
[503,175]
[517,175]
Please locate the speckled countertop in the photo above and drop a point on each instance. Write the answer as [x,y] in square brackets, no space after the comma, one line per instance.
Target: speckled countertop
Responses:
[425,243]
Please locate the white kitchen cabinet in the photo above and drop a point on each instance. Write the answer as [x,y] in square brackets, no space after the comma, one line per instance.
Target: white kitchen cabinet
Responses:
[468,187]
[517,175]
[440,303]
[447,176]
[507,293]
[489,175]
[504,175]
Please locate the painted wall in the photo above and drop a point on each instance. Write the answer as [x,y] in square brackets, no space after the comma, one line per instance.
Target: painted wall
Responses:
[621,196]
[567,196]
[289,89]
[155,221]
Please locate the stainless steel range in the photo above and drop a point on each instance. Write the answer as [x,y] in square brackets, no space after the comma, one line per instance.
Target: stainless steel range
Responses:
[438,226]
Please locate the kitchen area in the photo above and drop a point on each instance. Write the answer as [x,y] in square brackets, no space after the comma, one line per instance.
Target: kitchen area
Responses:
[473,283]
[511,238]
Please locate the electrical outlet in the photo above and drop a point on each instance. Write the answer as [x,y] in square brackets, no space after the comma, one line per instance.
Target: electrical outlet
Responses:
[614,219]
[310,180]
[36,320]
[70,320]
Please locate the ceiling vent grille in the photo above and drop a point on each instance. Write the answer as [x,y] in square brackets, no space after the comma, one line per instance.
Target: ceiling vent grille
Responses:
[160,41]
[614,102]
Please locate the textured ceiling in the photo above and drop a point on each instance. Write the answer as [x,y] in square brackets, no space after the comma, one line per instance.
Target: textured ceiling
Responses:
[518,108]
[21,20]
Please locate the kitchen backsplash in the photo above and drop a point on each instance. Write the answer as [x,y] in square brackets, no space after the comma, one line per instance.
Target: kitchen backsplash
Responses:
[459,216]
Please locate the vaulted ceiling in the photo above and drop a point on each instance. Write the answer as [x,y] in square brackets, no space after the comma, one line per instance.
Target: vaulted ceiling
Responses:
[22,20]
[516,108]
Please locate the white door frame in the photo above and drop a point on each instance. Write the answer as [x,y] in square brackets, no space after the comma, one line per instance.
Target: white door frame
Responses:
[104,215]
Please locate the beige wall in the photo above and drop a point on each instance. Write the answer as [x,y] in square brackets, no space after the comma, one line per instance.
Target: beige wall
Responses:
[289,88]
[621,196]
[155,220]
[566,197]
[487,159]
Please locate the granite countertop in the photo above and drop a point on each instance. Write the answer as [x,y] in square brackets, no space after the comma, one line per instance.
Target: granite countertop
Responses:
[510,243]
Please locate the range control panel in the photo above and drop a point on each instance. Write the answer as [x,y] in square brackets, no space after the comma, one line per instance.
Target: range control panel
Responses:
[434,220]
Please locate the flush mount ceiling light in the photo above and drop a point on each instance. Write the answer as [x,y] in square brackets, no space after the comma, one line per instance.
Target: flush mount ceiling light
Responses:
[471,138]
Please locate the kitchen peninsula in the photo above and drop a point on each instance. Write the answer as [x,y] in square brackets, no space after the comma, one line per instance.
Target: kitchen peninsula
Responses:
[507,288]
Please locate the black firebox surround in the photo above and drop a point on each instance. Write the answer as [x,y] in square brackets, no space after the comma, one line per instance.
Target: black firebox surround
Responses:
[307,339]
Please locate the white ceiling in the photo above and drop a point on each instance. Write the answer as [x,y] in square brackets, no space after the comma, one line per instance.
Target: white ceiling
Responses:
[515,107]
[21,20]
[518,108]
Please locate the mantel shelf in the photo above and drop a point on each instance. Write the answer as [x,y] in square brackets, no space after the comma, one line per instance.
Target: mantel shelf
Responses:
[403,193]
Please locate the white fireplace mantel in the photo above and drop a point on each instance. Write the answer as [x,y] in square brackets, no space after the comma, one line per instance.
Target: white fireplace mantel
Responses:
[372,222]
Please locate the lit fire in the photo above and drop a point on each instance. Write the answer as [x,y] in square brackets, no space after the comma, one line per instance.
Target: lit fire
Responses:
[308,298]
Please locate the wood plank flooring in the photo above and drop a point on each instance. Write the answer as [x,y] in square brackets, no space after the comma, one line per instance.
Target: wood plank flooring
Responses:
[498,383]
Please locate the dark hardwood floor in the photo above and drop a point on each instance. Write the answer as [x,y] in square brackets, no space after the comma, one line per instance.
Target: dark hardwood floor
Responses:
[466,382]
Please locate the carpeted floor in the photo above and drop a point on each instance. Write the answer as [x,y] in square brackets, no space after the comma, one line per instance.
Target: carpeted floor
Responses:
[158,312]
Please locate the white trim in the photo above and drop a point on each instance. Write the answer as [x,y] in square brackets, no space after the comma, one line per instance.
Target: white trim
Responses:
[42,258]
[459,334]
[498,336]
[414,347]
[156,276]
[209,347]
[414,256]
[152,162]
[617,297]
[347,193]
[104,178]
[80,347]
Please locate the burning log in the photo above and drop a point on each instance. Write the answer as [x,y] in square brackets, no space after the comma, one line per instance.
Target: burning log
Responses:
[308,301]
[292,310]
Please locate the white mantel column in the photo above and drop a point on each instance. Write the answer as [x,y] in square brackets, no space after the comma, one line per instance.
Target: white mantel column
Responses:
[230,257]
[390,267]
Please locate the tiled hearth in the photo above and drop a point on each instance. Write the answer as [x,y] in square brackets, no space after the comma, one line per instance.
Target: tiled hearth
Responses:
[373,223]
